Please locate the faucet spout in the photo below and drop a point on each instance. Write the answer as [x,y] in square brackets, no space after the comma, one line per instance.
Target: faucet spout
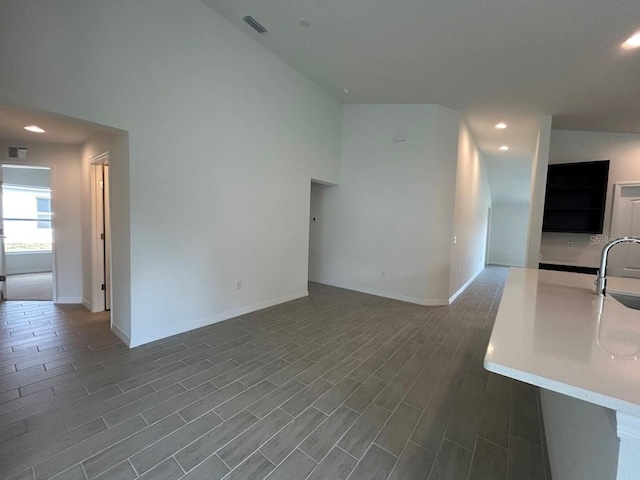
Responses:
[601,279]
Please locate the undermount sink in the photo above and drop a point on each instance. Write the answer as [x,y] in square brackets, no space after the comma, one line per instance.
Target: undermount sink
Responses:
[629,301]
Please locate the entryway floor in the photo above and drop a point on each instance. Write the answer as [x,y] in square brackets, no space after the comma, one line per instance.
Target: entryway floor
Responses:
[30,286]
[333,386]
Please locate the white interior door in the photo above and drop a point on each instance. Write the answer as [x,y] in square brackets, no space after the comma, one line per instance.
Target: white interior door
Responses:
[101,237]
[107,237]
[624,259]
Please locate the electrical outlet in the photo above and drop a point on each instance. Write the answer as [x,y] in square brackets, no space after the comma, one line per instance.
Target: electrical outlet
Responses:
[383,274]
[238,284]
[569,244]
[455,239]
[459,272]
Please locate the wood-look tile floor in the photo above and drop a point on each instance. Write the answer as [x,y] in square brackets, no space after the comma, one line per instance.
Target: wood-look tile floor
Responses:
[333,386]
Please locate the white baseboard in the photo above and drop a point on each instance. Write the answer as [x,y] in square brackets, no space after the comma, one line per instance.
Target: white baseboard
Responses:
[501,264]
[177,329]
[464,287]
[378,293]
[22,271]
[87,304]
[69,300]
[121,335]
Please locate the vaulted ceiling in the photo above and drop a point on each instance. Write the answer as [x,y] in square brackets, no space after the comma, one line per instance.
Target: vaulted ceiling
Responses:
[493,60]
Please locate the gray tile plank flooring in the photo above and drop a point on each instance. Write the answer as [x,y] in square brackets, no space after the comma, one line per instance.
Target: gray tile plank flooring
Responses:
[338,385]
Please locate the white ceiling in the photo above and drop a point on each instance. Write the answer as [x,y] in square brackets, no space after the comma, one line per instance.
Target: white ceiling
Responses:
[493,60]
[58,129]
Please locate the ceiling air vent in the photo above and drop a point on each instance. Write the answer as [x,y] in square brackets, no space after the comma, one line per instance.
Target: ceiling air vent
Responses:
[18,153]
[253,23]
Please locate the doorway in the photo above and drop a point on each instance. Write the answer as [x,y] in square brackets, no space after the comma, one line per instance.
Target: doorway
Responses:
[624,259]
[101,233]
[26,246]
[315,234]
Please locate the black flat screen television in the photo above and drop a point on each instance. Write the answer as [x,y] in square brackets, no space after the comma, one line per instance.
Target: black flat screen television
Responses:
[575,197]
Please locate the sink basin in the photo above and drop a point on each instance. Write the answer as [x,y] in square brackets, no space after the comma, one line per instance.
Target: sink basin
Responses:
[629,301]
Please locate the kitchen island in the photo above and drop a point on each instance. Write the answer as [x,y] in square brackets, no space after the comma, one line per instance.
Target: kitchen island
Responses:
[582,350]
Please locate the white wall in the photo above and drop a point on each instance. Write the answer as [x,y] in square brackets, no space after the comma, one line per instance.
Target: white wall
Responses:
[64,162]
[538,186]
[567,147]
[470,218]
[581,438]
[393,210]
[509,177]
[28,262]
[224,138]
[509,226]
[28,177]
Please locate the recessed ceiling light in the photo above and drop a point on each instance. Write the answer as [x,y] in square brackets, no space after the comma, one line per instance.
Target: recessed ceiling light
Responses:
[504,148]
[34,128]
[346,91]
[501,125]
[633,42]
[304,22]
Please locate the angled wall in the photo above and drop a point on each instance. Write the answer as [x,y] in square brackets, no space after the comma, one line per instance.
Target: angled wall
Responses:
[388,228]
[538,187]
[471,212]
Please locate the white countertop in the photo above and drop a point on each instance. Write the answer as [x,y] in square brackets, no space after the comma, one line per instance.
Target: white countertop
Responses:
[554,332]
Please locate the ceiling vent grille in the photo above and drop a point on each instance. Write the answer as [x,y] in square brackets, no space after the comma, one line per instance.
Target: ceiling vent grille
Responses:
[18,153]
[253,23]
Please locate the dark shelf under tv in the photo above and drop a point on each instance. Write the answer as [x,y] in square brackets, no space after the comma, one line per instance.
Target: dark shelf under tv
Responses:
[586,232]
[563,209]
[590,187]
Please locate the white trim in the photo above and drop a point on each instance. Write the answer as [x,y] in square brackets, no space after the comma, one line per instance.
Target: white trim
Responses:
[97,263]
[23,271]
[28,252]
[87,304]
[505,264]
[148,337]
[378,293]
[464,287]
[121,335]
[103,158]
[69,300]
[322,182]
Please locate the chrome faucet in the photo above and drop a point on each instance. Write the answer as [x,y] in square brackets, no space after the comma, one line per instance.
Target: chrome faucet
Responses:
[601,279]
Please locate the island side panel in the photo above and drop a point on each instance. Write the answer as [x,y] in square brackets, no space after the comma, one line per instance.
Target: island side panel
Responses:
[629,459]
[581,438]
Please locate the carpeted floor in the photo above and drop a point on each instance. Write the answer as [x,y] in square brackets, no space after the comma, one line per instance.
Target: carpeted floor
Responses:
[30,286]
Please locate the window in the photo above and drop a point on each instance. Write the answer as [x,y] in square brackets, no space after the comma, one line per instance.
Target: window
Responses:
[27,219]
[44,211]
